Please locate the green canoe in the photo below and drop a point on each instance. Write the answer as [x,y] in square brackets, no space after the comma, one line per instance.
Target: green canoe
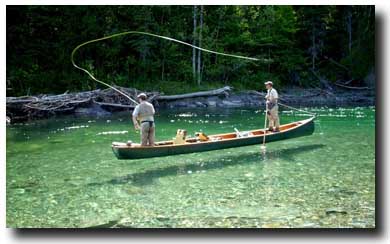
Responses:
[215,142]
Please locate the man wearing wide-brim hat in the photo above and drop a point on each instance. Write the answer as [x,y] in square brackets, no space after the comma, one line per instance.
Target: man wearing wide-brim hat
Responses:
[143,119]
[272,107]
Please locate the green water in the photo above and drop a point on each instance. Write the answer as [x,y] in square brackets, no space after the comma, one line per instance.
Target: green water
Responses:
[62,173]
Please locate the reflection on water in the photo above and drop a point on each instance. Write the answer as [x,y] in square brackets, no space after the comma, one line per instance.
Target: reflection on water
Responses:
[62,173]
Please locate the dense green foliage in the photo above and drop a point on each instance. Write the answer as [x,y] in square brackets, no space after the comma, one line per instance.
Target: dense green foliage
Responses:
[337,42]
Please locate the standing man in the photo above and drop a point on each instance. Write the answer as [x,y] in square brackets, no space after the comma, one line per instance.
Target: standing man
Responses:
[143,119]
[272,107]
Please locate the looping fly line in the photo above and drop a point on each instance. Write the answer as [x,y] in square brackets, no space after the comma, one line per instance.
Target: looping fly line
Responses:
[148,34]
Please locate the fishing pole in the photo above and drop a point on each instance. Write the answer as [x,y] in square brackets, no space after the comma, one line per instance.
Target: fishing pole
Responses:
[148,34]
[297,109]
[263,148]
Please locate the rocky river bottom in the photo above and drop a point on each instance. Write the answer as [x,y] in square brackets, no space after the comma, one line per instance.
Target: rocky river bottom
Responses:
[61,172]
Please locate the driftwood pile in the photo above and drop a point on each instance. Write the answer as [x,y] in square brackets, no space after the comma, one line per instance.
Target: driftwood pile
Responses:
[26,107]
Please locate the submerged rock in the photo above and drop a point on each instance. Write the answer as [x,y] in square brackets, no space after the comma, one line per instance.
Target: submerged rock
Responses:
[199,104]
[20,190]
[335,211]
[232,103]
[310,225]
[212,103]
[109,224]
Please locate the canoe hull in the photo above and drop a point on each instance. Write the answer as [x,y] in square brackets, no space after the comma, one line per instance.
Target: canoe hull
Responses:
[148,152]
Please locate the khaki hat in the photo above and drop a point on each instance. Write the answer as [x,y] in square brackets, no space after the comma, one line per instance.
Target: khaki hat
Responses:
[142,95]
[269,83]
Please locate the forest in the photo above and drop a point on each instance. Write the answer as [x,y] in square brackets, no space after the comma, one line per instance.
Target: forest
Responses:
[305,46]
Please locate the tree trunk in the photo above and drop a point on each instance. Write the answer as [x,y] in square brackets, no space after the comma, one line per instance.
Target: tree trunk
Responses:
[269,47]
[221,91]
[216,36]
[313,51]
[349,29]
[269,58]
[163,60]
[193,49]
[163,68]
[200,44]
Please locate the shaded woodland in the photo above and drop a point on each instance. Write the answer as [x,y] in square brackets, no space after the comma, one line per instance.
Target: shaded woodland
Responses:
[306,46]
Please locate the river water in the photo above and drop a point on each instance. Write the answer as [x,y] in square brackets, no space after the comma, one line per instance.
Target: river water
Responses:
[61,172]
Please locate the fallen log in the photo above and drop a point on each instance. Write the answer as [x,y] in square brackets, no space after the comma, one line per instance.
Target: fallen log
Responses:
[114,105]
[253,92]
[221,91]
[46,105]
[353,87]
[47,108]
[15,100]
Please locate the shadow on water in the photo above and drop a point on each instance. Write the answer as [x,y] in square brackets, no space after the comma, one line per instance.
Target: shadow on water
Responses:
[147,177]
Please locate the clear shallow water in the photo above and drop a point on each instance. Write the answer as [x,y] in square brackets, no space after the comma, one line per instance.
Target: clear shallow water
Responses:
[62,173]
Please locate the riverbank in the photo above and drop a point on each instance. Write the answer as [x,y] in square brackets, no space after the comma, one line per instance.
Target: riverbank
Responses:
[105,102]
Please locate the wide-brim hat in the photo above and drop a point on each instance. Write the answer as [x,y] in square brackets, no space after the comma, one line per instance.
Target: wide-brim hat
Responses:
[142,95]
[269,83]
